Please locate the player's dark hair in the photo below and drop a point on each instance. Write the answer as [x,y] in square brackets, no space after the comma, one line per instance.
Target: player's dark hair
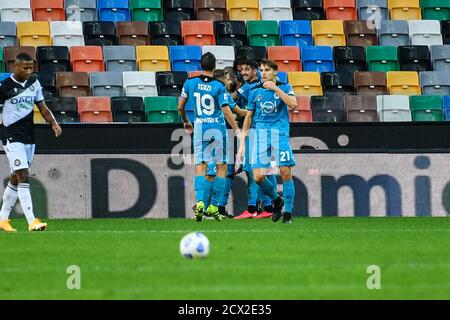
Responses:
[208,62]
[248,61]
[230,71]
[24,57]
[269,63]
[219,74]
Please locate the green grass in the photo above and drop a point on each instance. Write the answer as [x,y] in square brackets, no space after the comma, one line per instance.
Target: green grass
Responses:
[314,258]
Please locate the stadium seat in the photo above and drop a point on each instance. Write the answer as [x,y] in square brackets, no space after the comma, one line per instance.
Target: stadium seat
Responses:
[120,58]
[10,54]
[257,53]
[16,11]
[446,105]
[445,29]
[425,32]
[224,55]
[349,59]
[306,83]
[53,59]
[2,62]
[73,84]
[414,58]
[435,9]
[426,108]
[170,83]
[303,111]
[405,9]
[48,83]
[243,10]
[440,57]
[152,58]
[435,83]
[94,109]
[382,58]
[212,10]
[133,33]
[361,108]
[198,33]
[8,34]
[193,74]
[35,33]
[4,75]
[287,58]
[146,10]
[67,33]
[86,58]
[282,76]
[328,108]
[403,83]
[44,10]
[161,109]
[99,33]
[337,82]
[106,84]
[393,33]
[340,9]
[317,59]
[276,10]
[393,108]
[185,58]
[308,10]
[165,33]
[64,109]
[178,10]
[128,109]
[358,33]
[328,33]
[263,33]
[113,10]
[370,83]
[37,116]
[230,33]
[296,33]
[140,83]
[371,9]
[81,10]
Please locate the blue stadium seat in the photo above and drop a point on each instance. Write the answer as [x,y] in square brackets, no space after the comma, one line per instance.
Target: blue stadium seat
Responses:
[113,10]
[317,59]
[446,104]
[296,33]
[185,58]
[3,76]
[283,76]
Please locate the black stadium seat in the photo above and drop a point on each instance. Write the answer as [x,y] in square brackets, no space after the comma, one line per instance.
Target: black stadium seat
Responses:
[179,10]
[165,33]
[308,10]
[99,33]
[414,58]
[253,52]
[230,33]
[337,82]
[48,82]
[128,109]
[53,59]
[64,109]
[170,83]
[328,108]
[350,59]
[445,29]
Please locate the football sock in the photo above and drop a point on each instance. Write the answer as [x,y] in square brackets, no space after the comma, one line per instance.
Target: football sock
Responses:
[268,209]
[226,192]
[252,190]
[199,184]
[207,191]
[288,194]
[273,181]
[9,200]
[267,187]
[23,191]
[217,190]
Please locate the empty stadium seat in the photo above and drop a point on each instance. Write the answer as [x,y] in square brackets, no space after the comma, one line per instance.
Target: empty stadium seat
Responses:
[37,116]
[44,10]
[16,11]
[94,109]
[393,33]
[370,83]
[73,84]
[119,58]
[161,109]
[328,108]
[128,109]
[349,59]
[414,58]
[435,9]
[113,10]
[140,83]
[213,10]
[165,33]
[446,105]
[87,58]
[263,33]
[361,108]
[282,76]
[337,82]
[243,10]
[133,33]
[146,10]
[4,75]
[152,58]
[426,108]
[308,10]
[405,9]
[358,33]
[435,83]
[230,33]
[303,111]
[185,58]
[81,10]
[425,32]
[340,9]
[64,109]
[198,33]
[170,83]
[178,10]
[317,59]
[48,83]
[224,55]
[2,62]
[10,54]
[296,33]
[99,33]
[440,57]
[393,108]
[445,29]
[328,33]
[257,53]
[372,9]
[67,33]
[276,10]
[53,59]
[8,34]
[106,84]
[287,58]
[382,58]
[403,83]
[35,33]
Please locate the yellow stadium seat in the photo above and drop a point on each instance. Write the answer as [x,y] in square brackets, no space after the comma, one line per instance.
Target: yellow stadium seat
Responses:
[306,83]
[328,33]
[403,83]
[34,33]
[405,9]
[37,116]
[243,10]
[153,58]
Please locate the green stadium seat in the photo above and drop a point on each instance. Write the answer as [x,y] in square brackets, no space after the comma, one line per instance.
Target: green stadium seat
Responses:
[263,33]
[161,109]
[426,108]
[435,9]
[382,58]
[2,61]
[146,10]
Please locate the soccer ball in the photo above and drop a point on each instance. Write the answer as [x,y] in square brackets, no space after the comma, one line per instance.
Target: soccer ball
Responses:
[194,245]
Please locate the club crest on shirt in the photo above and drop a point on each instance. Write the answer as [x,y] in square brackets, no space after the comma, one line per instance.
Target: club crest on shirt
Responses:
[31,88]
[15,90]
[259,97]
[276,96]
[17,162]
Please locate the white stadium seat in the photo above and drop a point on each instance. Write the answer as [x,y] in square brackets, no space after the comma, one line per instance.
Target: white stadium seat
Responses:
[67,33]
[393,108]
[276,10]
[425,32]
[16,10]
[140,84]
[224,55]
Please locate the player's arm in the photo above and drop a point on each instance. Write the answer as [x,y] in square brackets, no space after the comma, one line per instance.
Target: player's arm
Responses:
[239,112]
[48,116]
[230,119]
[182,108]
[245,127]
[289,100]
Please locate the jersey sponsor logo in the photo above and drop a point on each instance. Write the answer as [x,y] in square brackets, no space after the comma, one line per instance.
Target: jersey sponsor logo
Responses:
[268,107]
[22,100]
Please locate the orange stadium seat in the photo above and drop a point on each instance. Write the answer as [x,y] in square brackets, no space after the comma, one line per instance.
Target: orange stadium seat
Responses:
[86,58]
[303,111]
[287,57]
[198,33]
[94,109]
[340,9]
[45,10]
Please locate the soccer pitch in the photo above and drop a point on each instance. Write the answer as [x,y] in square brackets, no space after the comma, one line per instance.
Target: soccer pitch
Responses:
[314,258]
